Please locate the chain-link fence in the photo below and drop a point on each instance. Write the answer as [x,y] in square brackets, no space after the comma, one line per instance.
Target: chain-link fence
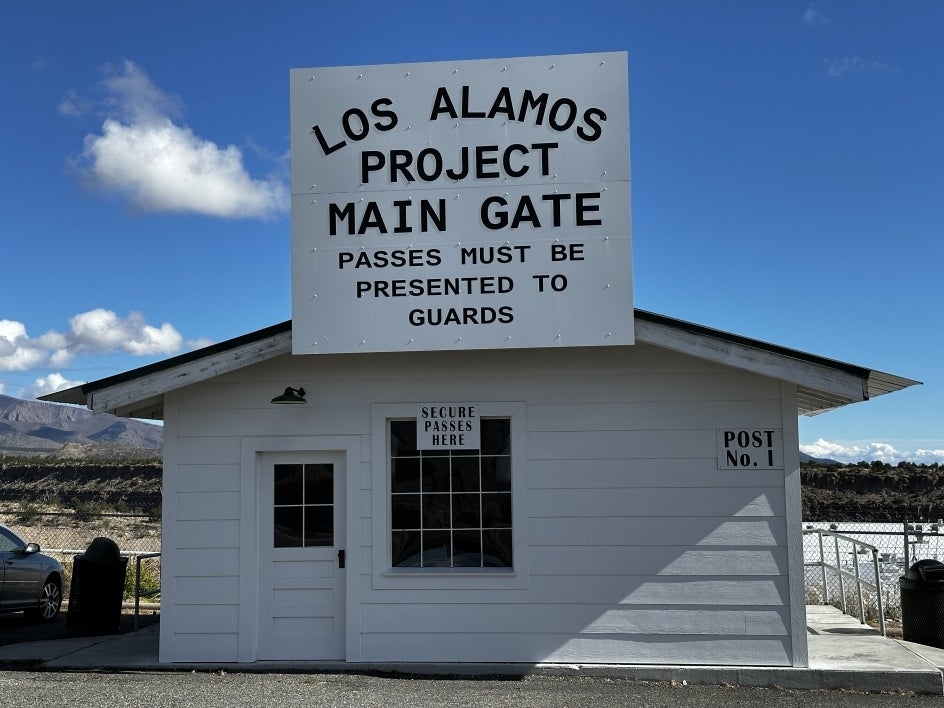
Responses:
[64,533]
[899,545]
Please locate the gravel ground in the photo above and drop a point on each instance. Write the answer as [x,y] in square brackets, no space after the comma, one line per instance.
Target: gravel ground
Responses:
[207,690]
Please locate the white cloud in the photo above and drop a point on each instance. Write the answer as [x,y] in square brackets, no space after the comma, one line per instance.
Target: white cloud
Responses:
[858,451]
[98,331]
[199,343]
[17,351]
[158,165]
[814,17]
[49,384]
[838,68]
[73,105]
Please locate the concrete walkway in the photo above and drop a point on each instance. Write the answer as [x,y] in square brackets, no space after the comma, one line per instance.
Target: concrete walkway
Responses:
[843,654]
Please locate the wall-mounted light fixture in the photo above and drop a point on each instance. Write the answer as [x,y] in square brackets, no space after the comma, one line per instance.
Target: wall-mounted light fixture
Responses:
[291,395]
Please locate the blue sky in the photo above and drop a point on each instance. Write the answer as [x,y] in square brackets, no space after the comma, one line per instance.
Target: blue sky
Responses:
[786,158]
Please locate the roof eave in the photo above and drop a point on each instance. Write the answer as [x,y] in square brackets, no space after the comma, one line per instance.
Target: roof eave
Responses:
[822,384]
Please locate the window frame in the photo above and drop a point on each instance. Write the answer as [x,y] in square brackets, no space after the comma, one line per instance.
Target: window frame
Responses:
[422,522]
[385,575]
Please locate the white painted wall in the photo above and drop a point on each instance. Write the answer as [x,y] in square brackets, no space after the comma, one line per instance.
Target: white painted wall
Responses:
[631,546]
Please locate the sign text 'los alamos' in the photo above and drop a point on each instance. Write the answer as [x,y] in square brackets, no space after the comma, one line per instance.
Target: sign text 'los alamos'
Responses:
[461,205]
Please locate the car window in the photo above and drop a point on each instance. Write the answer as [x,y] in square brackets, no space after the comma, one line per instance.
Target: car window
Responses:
[9,541]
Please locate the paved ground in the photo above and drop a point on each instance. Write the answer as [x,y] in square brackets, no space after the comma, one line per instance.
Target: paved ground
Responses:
[850,665]
[17,627]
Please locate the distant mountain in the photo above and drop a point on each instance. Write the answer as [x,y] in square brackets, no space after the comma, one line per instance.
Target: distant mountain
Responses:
[817,460]
[39,428]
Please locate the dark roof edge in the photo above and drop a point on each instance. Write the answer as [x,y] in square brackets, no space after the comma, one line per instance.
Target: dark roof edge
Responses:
[188,357]
[864,373]
[703,331]
[878,382]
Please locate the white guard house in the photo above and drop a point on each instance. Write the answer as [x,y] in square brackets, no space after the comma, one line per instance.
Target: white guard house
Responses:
[633,504]
[467,445]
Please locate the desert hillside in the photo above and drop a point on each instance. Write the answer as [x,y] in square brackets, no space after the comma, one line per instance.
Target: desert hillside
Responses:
[872,492]
[108,484]
[864,492]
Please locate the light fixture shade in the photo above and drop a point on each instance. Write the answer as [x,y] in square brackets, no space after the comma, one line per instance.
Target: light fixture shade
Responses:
[291,395]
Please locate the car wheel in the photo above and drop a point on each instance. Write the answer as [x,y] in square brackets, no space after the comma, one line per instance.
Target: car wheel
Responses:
[50,600]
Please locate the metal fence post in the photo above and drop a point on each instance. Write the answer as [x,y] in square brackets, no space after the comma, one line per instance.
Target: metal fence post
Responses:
[855,565]
[842,589]
[878,592]
[907,549]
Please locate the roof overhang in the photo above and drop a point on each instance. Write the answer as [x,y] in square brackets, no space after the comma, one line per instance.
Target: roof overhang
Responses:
[139,393]
[822,384]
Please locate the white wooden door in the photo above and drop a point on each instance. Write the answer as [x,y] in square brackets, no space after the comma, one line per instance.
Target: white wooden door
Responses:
[301,556]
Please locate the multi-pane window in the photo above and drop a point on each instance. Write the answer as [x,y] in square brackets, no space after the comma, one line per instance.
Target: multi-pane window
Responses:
[451,508]
[303,511]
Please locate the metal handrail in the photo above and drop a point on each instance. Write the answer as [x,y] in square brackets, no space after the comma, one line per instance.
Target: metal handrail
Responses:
[854,575]
[137,584]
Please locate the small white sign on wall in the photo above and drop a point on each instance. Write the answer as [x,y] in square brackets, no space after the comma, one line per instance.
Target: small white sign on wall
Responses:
[446,426]
[750,448]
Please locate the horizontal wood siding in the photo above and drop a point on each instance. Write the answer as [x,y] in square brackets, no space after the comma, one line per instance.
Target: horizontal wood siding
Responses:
[639,549]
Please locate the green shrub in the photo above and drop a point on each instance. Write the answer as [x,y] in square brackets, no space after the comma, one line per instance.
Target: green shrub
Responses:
[150,578]
[27,513]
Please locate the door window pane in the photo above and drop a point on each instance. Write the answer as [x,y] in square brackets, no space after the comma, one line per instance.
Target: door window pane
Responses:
[303,513]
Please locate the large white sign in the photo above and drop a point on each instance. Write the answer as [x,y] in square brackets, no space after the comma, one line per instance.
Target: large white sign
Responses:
[461,205]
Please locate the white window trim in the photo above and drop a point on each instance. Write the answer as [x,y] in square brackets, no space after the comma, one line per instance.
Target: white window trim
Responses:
[384,576]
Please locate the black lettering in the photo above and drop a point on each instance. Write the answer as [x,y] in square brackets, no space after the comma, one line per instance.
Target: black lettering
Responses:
[502,104]
[569,118]
[530,101]
[583,208]
[421,169]
[596,130]
[371,161]
[506,160]
[355,130]
[443,104]
[376,107]
[428,213]
[325,148]
[525,212]
[372,220]
[543,148]
[555,200]
[481,160]
[466,111]
[464,166]
[497,219]
[402,226]
[400,160]
[336,213]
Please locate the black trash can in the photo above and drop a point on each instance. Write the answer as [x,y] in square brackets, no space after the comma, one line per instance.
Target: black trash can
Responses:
[922,603]
[97,589]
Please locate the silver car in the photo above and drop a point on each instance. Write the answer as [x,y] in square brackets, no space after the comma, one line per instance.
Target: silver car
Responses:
[29,580]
